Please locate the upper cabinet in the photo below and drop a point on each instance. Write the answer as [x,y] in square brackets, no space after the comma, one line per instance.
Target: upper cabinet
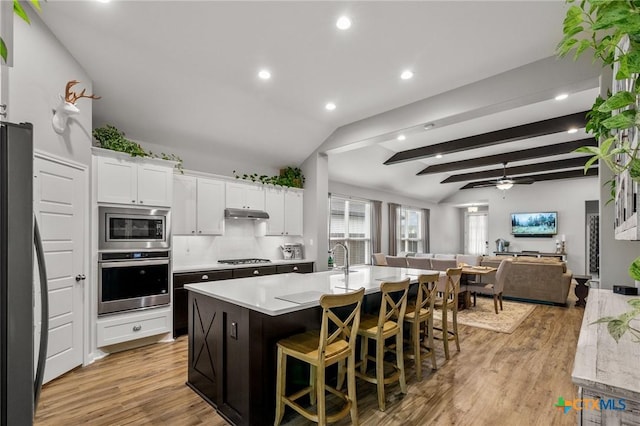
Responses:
[125,180]
[285,211]
[198,207]
[244,196]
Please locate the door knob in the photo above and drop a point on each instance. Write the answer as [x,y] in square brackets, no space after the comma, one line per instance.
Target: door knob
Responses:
[81,277]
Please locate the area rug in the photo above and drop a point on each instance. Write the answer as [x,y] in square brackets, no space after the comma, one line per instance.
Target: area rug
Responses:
[483,316]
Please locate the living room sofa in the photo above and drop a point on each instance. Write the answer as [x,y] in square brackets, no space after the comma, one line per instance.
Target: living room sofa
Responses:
[532,278]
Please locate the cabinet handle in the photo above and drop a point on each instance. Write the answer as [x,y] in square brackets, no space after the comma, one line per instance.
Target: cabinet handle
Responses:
[286,233]
[133,201]
[137,327]
[295,268]
[193,232]
[199,232]
[205,277]
[256,272]
[141,202]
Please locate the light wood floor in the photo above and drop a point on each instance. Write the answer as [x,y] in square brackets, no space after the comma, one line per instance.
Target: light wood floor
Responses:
[497,379]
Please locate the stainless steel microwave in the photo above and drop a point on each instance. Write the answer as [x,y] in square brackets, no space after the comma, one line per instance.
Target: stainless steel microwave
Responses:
[133,229]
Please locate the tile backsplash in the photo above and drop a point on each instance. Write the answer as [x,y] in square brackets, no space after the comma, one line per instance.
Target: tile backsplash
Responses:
[239,241]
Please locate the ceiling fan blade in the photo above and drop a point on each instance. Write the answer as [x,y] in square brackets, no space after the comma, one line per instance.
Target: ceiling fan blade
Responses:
[523,181]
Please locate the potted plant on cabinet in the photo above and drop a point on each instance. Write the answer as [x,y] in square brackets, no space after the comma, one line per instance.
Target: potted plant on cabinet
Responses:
[109,137]
[611,30]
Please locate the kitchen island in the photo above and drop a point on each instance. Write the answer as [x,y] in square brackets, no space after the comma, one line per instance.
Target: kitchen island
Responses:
[234,326]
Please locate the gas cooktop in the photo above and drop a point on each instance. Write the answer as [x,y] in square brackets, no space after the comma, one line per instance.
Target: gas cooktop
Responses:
[243,261]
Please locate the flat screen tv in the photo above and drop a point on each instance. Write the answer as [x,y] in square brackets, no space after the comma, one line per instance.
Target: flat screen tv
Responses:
[540,224]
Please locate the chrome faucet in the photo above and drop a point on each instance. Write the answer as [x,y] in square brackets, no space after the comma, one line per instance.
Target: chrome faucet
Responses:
[346,256]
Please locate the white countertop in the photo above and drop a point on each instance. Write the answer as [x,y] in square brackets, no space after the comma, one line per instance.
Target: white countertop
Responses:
[216,265]
[261,293]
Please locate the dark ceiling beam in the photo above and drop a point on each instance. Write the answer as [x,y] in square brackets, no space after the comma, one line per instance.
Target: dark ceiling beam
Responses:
[568,163]
[508,157]
[525,131]
[568,174]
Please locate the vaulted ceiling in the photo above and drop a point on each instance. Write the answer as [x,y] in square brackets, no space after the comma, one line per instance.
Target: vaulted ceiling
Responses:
[184,75]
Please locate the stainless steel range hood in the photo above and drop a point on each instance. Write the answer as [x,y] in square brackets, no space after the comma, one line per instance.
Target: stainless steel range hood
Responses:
[245,214]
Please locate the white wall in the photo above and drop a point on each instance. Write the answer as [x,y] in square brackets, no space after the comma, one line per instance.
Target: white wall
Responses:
[316,209]
[42,68]
[444,226]
[212,159]
[567,197]
[241,239]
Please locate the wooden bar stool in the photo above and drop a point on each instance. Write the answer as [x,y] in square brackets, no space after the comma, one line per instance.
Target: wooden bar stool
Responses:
[421,314]
[381,327]
[449,302]
[334,342]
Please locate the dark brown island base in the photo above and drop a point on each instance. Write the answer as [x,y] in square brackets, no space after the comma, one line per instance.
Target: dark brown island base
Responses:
[234,326]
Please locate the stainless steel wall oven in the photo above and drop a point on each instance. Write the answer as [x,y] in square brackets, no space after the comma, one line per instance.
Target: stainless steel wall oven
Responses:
[132,280]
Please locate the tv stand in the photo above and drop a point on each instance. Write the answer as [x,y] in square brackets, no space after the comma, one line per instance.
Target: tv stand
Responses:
[561,256]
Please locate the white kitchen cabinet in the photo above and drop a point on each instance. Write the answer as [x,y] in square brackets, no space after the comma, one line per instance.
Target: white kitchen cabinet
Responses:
[198,207]
[285,211]
[293,204]
[125,180]
[131,326]
[244,196]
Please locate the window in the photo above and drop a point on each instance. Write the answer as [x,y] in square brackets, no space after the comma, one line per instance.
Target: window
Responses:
[476,231]
[410,230]
[350,223]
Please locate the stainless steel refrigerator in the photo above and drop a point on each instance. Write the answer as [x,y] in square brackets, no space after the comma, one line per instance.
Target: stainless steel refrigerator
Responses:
[21,258]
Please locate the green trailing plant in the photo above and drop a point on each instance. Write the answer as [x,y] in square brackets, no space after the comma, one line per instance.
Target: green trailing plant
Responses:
[18,10]
[610,29]
[290,177]
[109,137]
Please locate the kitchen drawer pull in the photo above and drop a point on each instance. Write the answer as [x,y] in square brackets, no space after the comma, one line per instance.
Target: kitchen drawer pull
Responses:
[295,268]
[137,327]
[256,272]
[205,277]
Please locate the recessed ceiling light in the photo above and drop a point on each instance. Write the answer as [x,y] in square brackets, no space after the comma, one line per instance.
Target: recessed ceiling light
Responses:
[562,96]
[406,75]
[264,74]
[343,23]
[428,126]
[572,130]
[438,155]
[401,137]
[330,106]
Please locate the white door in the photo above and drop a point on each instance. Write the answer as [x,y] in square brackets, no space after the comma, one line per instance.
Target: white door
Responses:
[59,200]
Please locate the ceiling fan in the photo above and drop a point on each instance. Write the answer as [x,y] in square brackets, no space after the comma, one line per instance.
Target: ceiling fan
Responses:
[505,182]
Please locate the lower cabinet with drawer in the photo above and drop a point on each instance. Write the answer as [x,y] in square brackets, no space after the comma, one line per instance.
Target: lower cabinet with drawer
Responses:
[180,294]
[122,328]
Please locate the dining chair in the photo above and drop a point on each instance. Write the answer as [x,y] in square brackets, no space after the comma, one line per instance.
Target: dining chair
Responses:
[443,264]
[333,343]
[387,324]
[420,314]
[494,289]
[397,261]
[449,302]
[419,262]
[378,259]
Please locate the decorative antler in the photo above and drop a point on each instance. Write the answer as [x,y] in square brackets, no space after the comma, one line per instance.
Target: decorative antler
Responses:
[71,97]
